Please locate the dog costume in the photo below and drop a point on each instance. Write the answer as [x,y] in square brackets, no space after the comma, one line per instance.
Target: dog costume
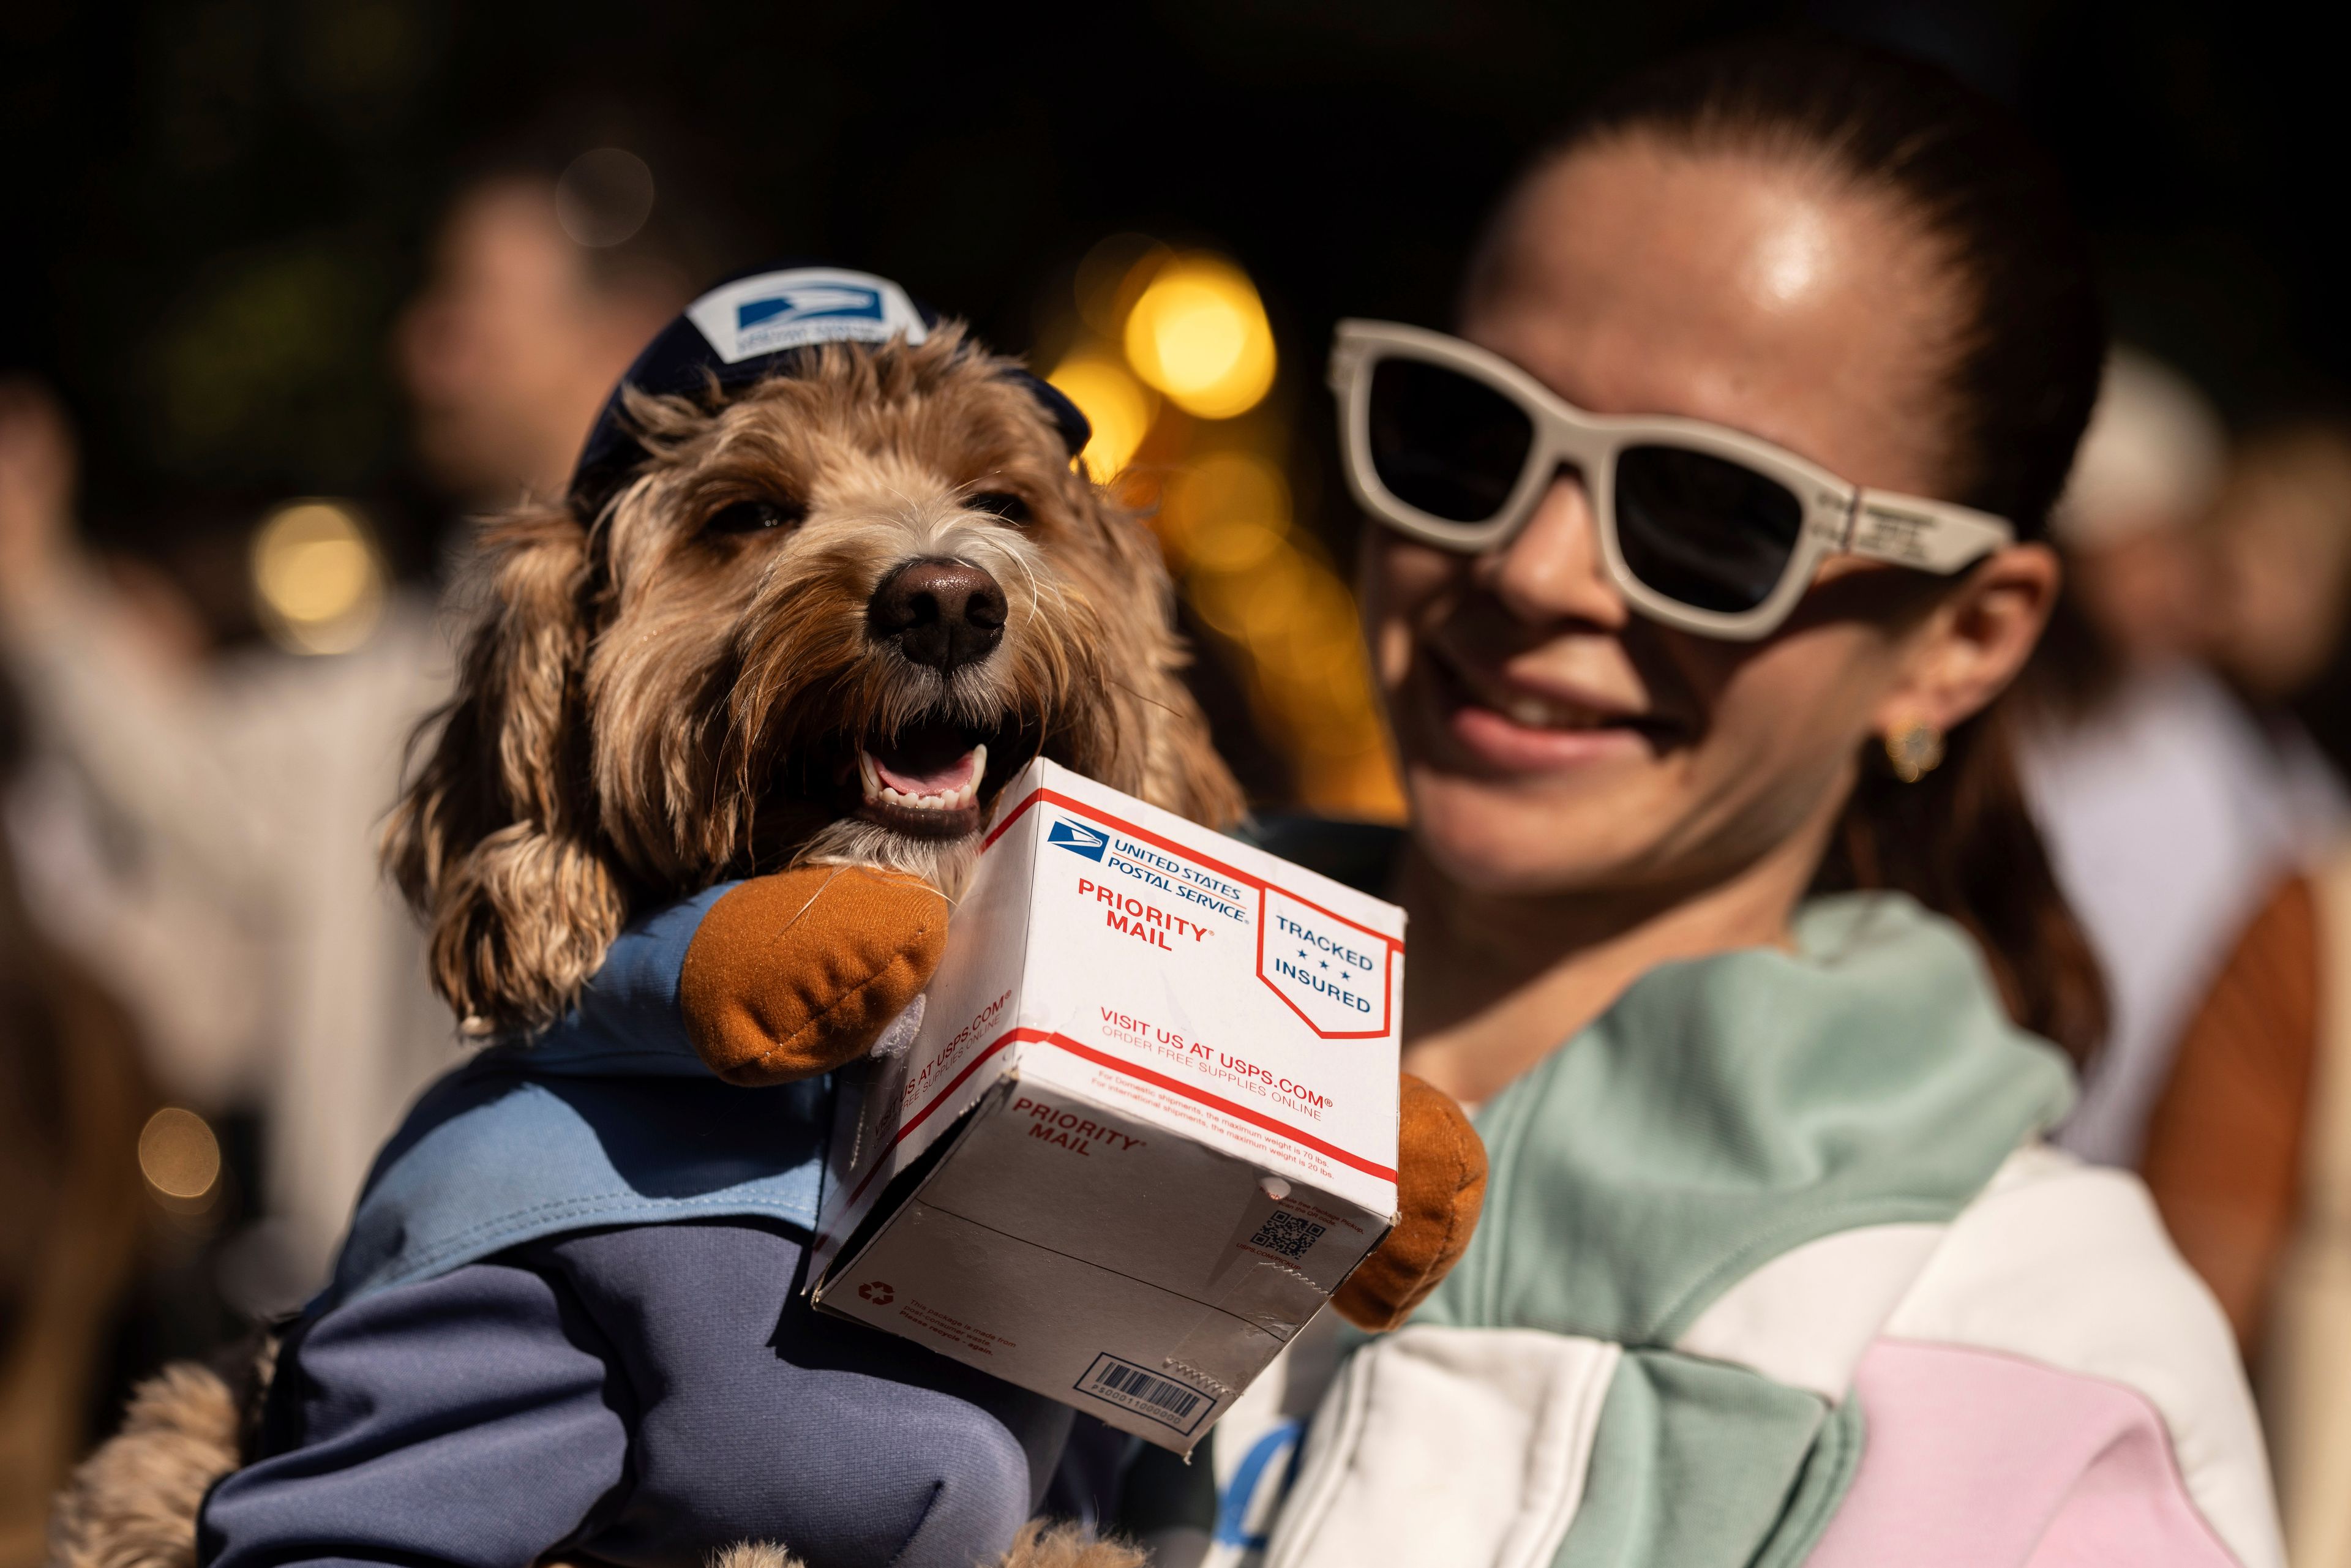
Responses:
[568,1317]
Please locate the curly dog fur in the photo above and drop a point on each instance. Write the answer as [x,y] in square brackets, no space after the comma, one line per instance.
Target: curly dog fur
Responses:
[1037,1546]
[133,1503]
[652,705]
[653,702]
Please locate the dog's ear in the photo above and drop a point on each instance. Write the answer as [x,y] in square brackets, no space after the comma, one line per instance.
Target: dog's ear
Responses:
[494,839]
[1179,768]
[1183,771]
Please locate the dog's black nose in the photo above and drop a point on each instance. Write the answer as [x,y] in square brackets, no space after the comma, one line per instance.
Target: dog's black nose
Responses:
[943,614]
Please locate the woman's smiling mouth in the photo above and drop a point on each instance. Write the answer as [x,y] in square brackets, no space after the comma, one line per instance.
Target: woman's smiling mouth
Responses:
[1514,727]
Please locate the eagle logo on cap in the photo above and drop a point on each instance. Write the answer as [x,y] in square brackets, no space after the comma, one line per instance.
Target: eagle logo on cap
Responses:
[803,304]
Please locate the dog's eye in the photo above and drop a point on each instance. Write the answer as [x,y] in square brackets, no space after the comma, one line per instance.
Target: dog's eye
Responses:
[1003,504]
[754,517]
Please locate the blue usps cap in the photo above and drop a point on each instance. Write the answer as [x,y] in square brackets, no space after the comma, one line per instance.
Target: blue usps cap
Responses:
[754,325]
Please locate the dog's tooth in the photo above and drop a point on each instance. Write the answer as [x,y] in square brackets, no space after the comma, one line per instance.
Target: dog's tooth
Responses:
[896,799]
[867,775]
[979,768]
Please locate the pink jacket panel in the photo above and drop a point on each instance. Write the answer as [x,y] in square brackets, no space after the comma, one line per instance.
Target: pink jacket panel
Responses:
[1971,1458]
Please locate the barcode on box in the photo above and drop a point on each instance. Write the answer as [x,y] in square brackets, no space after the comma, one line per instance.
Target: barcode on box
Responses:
[1287,1234]
[1162,1398]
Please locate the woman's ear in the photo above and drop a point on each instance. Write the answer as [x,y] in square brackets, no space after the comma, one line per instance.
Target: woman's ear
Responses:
[494,839]
[1967,649]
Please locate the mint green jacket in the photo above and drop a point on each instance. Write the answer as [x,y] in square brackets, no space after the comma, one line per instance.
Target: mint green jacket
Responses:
[1775,1269]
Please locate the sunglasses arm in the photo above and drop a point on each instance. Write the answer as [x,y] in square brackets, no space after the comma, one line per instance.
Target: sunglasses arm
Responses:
[1926,536]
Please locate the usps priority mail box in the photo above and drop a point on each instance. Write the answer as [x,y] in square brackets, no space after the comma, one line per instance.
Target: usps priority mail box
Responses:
[1146,1121]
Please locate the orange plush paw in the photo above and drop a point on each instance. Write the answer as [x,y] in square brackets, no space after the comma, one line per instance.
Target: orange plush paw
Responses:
[1440,1187]
[793,975]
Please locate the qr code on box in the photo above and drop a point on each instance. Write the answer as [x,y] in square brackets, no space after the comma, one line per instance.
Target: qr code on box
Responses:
[1287,1234]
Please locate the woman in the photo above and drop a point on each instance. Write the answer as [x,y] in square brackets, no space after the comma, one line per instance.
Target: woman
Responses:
[1718,521]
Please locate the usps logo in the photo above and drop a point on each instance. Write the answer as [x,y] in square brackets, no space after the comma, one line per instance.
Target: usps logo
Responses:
[1078,839]
[1331,972]
[779,311]
[807,303]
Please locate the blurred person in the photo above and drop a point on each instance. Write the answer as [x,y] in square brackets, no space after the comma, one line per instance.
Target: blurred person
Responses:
[72,1098]
[2280,541]
[2249,1148]
[508,352]
[260,779]
[250,785]
[2150,465]
[1707,552]
[2170,814]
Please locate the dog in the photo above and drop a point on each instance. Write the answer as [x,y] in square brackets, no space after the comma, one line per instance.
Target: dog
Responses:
[722,749]
[821,623]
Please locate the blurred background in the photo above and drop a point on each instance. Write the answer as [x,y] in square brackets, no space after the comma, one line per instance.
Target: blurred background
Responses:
[292,289]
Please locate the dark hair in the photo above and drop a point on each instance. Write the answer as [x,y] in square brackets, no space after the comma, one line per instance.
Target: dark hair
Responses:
[2022,375]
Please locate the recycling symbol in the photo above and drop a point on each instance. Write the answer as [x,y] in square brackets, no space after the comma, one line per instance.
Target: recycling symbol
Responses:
[877,1291]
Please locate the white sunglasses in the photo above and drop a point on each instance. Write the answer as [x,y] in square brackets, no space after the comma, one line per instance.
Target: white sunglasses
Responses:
[1700,527]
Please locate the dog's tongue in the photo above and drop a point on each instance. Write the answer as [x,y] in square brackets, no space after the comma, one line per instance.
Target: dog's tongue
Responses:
[939,780]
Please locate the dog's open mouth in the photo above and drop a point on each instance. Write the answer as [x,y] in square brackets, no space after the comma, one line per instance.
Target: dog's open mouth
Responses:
[930,779]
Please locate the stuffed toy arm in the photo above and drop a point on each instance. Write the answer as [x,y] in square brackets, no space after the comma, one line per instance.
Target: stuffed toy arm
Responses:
[798,973]
[1440,1187]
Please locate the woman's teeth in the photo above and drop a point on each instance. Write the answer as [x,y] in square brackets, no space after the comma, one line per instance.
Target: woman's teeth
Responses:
[1548,712]
[966,794]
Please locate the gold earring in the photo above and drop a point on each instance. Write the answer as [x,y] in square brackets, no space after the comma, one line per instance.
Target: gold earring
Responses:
[1914,751]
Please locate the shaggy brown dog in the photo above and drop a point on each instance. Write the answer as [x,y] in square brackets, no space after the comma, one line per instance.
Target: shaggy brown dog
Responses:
[804,642]
[823,623]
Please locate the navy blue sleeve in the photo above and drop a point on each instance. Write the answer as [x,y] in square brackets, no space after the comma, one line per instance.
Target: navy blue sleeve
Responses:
[469,1419]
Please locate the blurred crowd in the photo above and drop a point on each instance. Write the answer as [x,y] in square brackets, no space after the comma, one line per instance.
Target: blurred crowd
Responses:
[213,1008]
[208,990]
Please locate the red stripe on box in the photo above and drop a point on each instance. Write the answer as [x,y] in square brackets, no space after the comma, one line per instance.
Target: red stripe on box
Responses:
[1054,797]
[1214,1102]
[1104,1059]
[938,1100]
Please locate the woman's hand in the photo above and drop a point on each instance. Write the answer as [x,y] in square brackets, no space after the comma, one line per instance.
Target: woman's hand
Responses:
[1440,1187]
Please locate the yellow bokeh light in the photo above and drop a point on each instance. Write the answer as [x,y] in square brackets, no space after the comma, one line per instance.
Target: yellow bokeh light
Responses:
[1193,330]
[1277,591]
[179,1156]
[317,577]
[1199,334]
[1119,407]
[1112,275]
[1232,545]
[1226,511]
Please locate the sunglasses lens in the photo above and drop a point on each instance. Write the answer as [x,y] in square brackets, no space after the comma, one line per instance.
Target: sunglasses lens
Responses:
[1704,532]
[1442,442]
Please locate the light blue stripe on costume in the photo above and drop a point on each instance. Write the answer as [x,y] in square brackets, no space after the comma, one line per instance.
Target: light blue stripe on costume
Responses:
[610,1118]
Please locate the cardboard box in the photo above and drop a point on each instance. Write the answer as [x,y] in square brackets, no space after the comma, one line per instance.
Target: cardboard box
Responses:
[1146,1123]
